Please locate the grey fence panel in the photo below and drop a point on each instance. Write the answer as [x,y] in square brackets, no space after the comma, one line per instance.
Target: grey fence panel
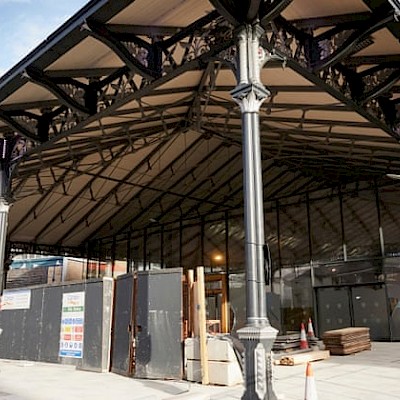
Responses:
[30,333]
[51,322]
[370,309]
[159,325]
[122,324]
[354,305]
[10,324]
[92,339]
[334,310]
[34,333]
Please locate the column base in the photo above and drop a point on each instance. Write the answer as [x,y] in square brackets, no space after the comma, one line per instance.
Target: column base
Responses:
[258,339]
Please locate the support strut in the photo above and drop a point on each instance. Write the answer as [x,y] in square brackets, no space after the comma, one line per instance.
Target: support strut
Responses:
[258,335]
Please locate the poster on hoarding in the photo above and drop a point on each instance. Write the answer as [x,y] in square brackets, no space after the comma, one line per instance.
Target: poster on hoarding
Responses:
[72,320]
[16,300]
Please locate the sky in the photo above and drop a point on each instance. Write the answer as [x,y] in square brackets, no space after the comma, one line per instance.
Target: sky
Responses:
[24,24]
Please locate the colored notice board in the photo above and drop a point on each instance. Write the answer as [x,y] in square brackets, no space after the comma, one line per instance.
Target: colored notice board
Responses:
[72,322]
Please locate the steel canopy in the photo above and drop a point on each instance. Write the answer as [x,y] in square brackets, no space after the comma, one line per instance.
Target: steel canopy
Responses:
[127,115]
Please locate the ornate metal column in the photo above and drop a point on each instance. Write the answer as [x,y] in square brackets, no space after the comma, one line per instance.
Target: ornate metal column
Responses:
[258,335]
[6,148]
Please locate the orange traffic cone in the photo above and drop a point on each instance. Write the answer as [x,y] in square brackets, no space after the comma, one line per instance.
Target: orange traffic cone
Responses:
[310,329]
[303,339]
[311,390]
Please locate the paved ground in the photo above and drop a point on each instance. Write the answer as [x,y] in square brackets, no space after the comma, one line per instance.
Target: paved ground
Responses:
[370,375]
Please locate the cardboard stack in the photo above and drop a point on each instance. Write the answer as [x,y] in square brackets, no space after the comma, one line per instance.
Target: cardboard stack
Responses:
[347,340]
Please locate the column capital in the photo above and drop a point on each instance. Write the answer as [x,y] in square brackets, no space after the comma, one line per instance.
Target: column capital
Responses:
[4,205]
[250,96]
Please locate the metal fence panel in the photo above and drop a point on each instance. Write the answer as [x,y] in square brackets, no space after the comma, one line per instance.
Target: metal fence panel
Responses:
[122,324]
[159,325]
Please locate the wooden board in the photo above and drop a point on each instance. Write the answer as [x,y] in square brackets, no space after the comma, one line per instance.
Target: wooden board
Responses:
[346,340]
[296,359]
[346,332]
[201,306]
[343,351]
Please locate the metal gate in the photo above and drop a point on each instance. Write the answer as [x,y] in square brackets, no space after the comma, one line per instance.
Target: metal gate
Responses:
[159,325]
[147,328]
[354,305]
[122,331]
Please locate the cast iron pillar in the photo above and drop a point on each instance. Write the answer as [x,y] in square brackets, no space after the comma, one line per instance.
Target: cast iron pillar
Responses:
[6,147]
[4,208]
[258,335]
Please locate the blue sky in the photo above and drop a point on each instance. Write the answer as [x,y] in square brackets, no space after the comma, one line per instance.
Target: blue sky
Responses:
[26,23]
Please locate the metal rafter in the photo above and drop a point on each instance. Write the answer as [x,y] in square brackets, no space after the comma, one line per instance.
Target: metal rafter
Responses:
[41,79]
[79,194]
[42,199]
[197,186]
[318,59]
[358,34]
[246,11]
[199,50]
[86,148]
[157,199]
[17,127]
[136,64]
[236,175]
[125,178]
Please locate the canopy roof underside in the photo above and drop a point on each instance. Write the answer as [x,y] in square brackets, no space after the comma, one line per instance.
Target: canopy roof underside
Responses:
[127,115]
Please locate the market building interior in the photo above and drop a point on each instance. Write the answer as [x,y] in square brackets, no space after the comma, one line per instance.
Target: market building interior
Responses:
[126,154]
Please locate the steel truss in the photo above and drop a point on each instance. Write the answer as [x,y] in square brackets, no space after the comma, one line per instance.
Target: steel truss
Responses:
[154,56]
[326,59]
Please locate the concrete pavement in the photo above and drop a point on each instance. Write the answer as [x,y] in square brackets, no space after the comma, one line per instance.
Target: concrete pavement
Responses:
[369,375]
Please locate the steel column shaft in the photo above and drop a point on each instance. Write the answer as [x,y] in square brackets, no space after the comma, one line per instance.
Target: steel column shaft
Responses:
[4,209]
[258,335]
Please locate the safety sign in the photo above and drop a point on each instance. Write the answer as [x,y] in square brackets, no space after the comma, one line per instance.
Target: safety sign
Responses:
[72,323]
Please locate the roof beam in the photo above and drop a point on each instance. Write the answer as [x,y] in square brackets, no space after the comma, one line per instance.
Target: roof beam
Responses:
[69,153]
[15,126]
[306,59]
[41,79]
[351,45]
[331,20]
[170,187]
[82,190]
[188,195]
[143,30]
[126,177]
[138,63]
[356,61]
[42,199]
[247,11]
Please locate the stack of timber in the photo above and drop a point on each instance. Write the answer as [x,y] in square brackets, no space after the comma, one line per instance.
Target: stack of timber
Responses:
[17,278]
[347,340]
[302,357]
[287,342]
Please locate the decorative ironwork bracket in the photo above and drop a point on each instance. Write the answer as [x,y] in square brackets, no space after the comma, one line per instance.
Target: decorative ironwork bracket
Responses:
[327,57]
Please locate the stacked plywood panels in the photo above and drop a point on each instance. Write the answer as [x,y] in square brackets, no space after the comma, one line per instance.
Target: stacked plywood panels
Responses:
[347,340]
[287,342]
